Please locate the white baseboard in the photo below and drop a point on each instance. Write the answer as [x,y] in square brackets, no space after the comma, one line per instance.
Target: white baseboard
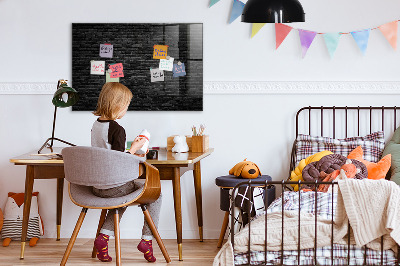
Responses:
[246,87]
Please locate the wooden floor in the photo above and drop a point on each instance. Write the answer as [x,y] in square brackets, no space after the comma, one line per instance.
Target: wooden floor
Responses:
[50,252]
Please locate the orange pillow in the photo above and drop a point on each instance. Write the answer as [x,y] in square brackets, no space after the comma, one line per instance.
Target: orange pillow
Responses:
[375,170]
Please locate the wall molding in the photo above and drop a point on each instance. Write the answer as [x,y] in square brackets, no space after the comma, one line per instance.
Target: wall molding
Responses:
[246,87]
[302,87]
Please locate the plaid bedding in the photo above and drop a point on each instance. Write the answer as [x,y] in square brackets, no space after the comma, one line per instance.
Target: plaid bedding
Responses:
[372,145]
[323,207]
[324,257]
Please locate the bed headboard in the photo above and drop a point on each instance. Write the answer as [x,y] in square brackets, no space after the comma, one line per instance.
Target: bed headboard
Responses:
[344,121]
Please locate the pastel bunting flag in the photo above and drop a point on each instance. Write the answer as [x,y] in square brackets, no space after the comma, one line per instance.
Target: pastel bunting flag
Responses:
[256,27]
[361,37]
[389,30]
[213,2]
[281,31]
[306,39]
[237,9]
[332,41]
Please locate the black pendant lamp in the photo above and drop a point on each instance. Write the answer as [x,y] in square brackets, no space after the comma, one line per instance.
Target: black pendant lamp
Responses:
[273,11]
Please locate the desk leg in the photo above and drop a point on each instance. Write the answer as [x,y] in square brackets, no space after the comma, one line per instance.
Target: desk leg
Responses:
[176,182]
[197,189]
[60,190]
[27,206]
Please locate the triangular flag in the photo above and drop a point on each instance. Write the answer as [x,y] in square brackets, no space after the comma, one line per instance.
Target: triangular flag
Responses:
[255,28]
[361,37]
[237,9]
[332,41]
[281,31]
[390,32]
[306,39]
[213,2]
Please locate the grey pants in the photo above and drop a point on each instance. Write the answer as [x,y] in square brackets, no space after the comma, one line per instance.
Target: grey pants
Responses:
[154,208]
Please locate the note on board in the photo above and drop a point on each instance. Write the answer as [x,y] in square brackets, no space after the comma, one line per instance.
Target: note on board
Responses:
[110,79]
[166,64]
[97,67]
[117,70]
[156,75]
[106,50]
[179,70]
[160,51]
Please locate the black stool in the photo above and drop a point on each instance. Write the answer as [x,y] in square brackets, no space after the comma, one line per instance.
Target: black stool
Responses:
[226,183]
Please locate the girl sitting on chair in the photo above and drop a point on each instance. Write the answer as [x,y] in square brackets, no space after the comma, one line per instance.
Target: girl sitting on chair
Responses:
[112,104]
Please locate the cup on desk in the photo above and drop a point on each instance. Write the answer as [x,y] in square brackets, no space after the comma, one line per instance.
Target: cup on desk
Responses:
[152,155]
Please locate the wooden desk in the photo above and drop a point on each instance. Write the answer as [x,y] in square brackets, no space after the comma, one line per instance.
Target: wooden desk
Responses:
[171,166]
[40,167]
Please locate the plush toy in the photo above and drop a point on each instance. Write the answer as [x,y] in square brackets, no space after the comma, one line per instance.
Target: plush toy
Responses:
[1,219]
[13,215]
[375,170]
[180,144]
[245,169]
[296,174]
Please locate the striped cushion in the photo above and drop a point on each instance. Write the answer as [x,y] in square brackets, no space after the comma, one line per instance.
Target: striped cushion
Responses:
[13,228]
[372,145]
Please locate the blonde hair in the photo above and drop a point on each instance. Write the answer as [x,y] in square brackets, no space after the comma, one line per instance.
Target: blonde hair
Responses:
[112,99]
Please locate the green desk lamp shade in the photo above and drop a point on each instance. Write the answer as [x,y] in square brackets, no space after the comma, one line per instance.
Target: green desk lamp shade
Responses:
[64,96]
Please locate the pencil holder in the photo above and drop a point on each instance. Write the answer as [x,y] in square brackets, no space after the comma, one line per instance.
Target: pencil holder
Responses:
[200,143]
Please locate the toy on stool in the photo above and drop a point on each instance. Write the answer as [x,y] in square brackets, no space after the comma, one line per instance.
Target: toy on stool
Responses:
[13,215]
[245,169]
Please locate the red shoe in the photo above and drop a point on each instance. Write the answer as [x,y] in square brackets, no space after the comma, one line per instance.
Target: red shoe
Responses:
[146,247]
[101,245]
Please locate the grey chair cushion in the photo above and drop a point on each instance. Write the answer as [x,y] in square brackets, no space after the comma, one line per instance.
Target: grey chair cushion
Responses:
[99,167]
[83,196]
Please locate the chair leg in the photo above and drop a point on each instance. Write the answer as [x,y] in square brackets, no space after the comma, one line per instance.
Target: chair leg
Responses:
[101,222]
[154,230]
[117,238]
[73,237]
[223,229]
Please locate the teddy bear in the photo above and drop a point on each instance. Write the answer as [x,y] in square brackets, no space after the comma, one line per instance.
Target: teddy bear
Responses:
[245,169]
[13,215]
[180,144]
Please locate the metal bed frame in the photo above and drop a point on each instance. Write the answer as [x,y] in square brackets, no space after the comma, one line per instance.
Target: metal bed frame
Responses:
[283,184]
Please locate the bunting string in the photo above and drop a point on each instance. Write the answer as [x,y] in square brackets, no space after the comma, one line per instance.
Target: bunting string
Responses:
[343,33]
[361,37]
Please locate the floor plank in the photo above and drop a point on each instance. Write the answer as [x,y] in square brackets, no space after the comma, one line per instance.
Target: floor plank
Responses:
[49,252]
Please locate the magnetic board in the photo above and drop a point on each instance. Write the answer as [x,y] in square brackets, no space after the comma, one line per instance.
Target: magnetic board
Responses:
[134,44]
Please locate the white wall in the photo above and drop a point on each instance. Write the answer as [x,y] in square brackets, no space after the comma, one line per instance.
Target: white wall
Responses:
[36,47]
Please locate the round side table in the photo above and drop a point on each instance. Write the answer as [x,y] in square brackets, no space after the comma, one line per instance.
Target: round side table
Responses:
[228,182]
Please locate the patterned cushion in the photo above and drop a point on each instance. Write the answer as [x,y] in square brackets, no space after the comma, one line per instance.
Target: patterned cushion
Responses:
[372,144]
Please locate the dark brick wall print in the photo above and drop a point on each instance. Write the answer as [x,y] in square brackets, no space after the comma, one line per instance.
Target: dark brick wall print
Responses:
[133,47]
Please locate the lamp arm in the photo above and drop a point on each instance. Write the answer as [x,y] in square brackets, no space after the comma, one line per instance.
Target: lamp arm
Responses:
[54,126]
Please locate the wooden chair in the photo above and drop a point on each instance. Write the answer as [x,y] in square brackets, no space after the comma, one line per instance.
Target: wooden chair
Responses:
[85,167]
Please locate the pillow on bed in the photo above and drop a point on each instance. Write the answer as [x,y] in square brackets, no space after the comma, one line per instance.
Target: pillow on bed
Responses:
[372,145]
[375,170]
[393,148]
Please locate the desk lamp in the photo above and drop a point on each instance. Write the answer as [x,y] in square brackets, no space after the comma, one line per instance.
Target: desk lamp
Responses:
[65,96]
[273,11]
